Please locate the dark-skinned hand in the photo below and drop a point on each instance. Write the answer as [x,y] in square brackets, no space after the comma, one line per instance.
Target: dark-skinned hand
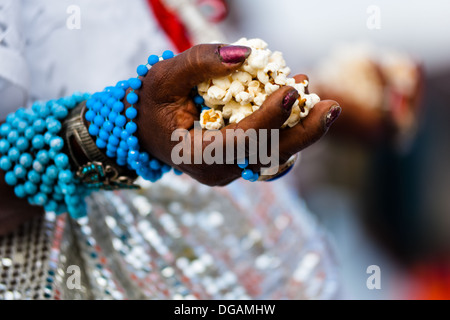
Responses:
[166,105]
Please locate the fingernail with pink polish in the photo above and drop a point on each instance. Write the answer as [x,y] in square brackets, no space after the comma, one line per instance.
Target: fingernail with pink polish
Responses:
[290,99]
[332,115]
[234,54]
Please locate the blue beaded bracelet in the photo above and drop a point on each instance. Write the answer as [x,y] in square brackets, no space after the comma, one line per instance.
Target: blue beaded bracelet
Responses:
[30,153]
[115,129]
[248,174]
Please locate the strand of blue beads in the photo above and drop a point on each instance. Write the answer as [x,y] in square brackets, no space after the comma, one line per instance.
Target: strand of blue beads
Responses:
[247,174]
[31,154]
[115,129]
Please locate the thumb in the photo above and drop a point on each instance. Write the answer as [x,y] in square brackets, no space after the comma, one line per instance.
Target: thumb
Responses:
[177,76]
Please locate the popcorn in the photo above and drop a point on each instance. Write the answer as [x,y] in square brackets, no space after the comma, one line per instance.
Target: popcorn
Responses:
[203,87]
[212,119]
[281,79]
[243,77]
[238,95]
[223,83]
[254,88]
[263,77]
[216,93]
[272,69]
[294,117]
[286,71]
[256,43]
[227,97]
[249,69]
[313,98]
[290,82]
[258,59]
[271,88]
[259,99]
[211,102]
[236,87]
[277,58]
[235,112]
[243,98]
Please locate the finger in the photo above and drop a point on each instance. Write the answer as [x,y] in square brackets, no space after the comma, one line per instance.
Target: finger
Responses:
[273,113]
[300,78]
[180,74]
[311,128]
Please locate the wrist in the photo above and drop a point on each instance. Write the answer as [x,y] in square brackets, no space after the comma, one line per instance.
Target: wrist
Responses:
[91,165]
[112,116]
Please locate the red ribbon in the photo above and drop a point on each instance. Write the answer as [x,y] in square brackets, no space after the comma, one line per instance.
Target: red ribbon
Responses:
[171,25]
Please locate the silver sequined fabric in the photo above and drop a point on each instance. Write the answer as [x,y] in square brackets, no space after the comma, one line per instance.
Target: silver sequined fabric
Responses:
[174,239]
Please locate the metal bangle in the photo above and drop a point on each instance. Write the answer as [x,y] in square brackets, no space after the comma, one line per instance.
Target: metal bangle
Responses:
[283,170]
[99,172]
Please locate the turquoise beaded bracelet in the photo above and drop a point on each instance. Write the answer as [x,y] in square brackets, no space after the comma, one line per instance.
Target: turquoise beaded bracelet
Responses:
[31,154]
[114,129]
[31,150]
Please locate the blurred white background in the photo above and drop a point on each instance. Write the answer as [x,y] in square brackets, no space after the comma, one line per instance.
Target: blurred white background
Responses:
[312,28]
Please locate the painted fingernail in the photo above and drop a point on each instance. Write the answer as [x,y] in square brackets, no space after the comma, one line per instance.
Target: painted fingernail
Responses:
[290,99]
[234,54]
[332,115]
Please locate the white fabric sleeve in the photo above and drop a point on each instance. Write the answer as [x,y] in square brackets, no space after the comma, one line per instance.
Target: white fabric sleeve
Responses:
[12,97]
[14,74]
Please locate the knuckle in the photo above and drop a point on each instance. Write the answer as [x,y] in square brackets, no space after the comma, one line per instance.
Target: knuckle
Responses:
[157,77]
[193,58]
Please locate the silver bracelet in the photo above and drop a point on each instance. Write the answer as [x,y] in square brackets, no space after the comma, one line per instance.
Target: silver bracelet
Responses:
[99,172]
[282,169]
